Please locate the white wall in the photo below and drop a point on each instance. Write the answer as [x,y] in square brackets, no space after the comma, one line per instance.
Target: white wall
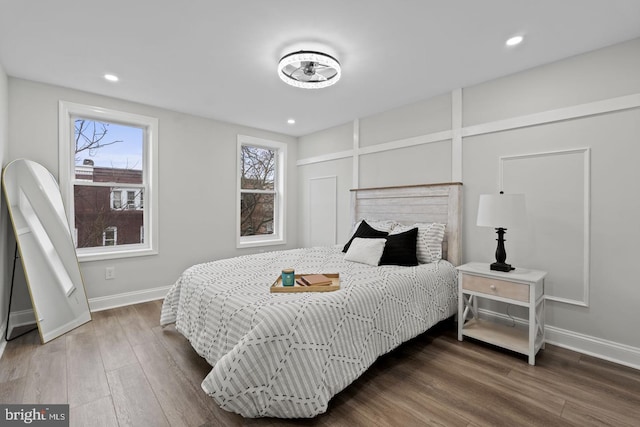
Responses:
[197,199]
[337,139]
[589,101]
[5,264]
[388,154]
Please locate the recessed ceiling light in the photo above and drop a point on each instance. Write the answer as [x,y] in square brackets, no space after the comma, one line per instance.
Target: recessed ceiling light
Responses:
[111,77]
[291,121]
[516,40]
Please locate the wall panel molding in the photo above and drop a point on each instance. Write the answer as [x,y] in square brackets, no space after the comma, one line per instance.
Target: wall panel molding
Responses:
[325,157]
[550,116]
[456,137]
[355,179]
[323,211]
[407,142]
[586,254]
[456,134]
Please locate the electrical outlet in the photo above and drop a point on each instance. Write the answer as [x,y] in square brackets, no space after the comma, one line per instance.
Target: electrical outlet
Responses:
[110,273]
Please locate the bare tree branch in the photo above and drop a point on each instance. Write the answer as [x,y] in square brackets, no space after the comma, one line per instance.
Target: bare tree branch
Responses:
[89,135]
[258,173]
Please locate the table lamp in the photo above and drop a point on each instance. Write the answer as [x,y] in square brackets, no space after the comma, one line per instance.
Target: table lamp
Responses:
[501,211]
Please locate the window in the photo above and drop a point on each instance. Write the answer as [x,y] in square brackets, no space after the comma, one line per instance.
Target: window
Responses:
[134,199]
[108,161]
[131,199]
[261,192]
[116,199]
[110,236]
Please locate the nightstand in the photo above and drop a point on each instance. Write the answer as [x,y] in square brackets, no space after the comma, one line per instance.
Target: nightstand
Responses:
[521,287]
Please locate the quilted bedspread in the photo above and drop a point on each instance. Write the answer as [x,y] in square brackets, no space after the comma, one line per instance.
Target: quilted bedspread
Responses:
[286,354]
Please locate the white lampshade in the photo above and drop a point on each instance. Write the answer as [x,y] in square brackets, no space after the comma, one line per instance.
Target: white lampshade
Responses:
[502,210]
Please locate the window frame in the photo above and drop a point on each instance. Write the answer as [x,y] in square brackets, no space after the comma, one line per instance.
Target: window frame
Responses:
[67,111]
[279,210]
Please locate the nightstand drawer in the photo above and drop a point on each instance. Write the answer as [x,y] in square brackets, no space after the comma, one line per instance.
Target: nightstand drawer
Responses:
[495,287]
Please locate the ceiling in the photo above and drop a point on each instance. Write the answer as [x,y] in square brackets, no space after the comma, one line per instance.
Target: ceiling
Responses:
[218,59]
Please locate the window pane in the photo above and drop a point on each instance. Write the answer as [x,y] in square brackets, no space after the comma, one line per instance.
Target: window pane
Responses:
[131,199]
[110,236]
[258,166]
[256,214]
[108,152]
[116,196]
[94,215]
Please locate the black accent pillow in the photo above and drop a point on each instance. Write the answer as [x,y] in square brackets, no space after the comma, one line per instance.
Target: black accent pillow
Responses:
[365,231]
[400,249]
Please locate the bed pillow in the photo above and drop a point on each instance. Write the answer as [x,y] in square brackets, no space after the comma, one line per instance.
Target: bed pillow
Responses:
[429,242]
[383,225]
[365,231]
[365,251]
[400,249]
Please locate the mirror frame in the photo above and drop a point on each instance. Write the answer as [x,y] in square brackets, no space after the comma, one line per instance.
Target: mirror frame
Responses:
[46,248]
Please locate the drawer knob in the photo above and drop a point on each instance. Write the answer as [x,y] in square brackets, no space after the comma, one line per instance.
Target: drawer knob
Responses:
[492,287]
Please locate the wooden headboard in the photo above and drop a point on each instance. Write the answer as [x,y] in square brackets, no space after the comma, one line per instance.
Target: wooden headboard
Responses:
[411,204]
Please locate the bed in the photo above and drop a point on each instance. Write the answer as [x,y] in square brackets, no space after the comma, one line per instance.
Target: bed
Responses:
[287,354]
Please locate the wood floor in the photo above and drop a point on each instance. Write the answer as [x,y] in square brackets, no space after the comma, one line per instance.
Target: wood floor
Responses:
[122,369]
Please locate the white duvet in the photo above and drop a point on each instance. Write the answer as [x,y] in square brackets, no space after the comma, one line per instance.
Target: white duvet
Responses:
[286,354]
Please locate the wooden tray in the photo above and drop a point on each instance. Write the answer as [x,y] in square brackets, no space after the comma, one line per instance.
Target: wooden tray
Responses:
[335,278]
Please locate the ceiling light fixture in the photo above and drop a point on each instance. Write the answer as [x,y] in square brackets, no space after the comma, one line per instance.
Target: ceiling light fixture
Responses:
[309,69]
[111,77]
[513,41]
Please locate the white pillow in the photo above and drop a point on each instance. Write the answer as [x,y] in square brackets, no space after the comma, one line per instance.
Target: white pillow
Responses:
[365,251]
[429,241]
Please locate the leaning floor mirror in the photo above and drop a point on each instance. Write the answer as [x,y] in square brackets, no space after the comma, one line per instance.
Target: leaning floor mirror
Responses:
[46,249]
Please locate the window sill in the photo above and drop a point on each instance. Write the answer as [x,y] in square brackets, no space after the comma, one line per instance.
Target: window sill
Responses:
[252,243]
[99,255]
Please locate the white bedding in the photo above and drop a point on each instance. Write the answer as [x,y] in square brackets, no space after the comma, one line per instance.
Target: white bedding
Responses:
[286,354]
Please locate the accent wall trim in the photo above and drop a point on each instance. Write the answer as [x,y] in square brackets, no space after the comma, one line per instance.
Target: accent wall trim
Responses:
[567,113]
[456,137]
[586,252]
[407,142]
[355,176]
[325,157]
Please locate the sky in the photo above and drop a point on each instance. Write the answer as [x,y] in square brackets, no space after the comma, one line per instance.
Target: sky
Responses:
[127,153]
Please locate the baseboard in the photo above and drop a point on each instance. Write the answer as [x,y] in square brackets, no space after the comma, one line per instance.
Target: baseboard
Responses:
[3,342]
[26,317]
[597,347]
[127,298]
[608,350]
[22,318]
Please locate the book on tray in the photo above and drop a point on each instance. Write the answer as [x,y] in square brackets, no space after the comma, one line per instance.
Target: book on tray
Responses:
[316,280]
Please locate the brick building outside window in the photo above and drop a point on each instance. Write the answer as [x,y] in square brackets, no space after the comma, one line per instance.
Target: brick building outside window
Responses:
[108,215]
